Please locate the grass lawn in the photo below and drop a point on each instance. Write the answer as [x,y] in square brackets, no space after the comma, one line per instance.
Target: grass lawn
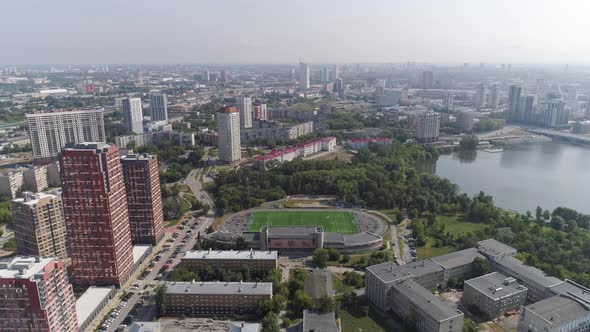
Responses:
[352,323]
[339,286]
[332,221]
[391,213]
[453,225]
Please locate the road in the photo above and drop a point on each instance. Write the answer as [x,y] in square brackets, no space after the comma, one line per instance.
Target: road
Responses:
[147,310]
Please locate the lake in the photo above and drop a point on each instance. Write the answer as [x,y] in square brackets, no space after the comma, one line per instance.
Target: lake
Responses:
[523,176]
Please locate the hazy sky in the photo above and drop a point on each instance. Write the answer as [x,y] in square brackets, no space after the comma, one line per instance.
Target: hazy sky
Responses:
[284,31]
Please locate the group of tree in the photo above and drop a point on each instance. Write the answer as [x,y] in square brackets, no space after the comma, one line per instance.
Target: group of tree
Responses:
[211,273]
[321,257]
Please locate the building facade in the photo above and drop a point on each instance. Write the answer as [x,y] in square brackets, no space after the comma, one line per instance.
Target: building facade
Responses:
[50,131]
[275,131]
[35,296]
[95,209]
[197,260]
[39,225]
[427,127]
[304,76]
[179,138]
[133,115]
[493,294]
[465,121]
[244,106]
[158,106]
[144,198]
[35,178]
[228,128]
[214,298]
[11,183]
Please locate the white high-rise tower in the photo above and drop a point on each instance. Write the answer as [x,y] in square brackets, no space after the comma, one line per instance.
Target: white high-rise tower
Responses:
[132,115]
[304,75]
[244,105]
[228,128]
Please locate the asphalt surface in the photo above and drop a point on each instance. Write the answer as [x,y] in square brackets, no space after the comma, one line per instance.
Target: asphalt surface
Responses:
[147,310]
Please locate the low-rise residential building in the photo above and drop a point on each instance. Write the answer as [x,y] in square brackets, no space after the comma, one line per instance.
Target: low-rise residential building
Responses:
[274,131]
[555,314]
[214,298]
[493,294]
[91,303]
[537,281]
[300,150]
[457,264]
[313,321]
[356,144]
[412,301]
[177,138]
[230,259]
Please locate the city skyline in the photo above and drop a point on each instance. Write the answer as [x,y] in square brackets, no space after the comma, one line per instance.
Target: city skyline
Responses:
[328,32]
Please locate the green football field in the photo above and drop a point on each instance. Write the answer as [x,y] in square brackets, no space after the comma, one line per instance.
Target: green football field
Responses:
[332,221]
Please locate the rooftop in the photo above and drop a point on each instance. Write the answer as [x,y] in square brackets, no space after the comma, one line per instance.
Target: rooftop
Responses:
[243,327]
[139,251]
[145,327]
[457,258]
[32,199]
[425,300]
[573,290]
[492,247]
[557,310]
[86,146]
[230,254]
[63,111]
[23,267]
[389,272]
[227,109]
[317,322]
[293,230]
[90,300]
[217,287]
[529,272]
[137,156]
[495,285]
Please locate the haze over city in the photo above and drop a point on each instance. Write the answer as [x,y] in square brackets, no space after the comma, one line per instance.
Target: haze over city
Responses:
[266,31]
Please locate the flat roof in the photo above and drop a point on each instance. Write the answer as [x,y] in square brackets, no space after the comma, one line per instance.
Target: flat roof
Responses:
[573,290]
[424,299]
[62,111]
[557,310]
[90,300]
[316,322]
[218,287]
[389,272]
[33,198]
[243,327]
[139,250]
[496,286]
[23,267]
[137,156]
[493,247]
[457,258]
[293,230]
[529,272]
[230,254]
[145,327]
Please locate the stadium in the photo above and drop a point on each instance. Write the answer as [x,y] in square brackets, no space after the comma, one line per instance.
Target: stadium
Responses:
[286,229]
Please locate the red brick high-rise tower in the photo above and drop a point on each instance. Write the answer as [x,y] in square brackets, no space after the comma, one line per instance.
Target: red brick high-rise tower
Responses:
[95,209]
[35,296]
[144,198]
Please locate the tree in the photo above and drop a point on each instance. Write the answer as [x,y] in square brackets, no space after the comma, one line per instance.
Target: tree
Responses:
[320,258]
[480,267]
[301,302]
[333,255]
[325,304]
[469,142]
[160,291]
[270,323]
[557,222]
[353,279]
[469,325]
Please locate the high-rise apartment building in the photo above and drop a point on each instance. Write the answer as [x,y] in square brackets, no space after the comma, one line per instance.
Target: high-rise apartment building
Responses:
[465,121]
[133,115]
[427,80]
[95,209]
[144,198]
[39,225]
[244,105]
[35,296]
[448,99]
[158,106]
[494,100]
[260,111]
[304,76]
[556,114]
[514,94]
[228,127]
[50,131]
[480,96]
[427,127]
